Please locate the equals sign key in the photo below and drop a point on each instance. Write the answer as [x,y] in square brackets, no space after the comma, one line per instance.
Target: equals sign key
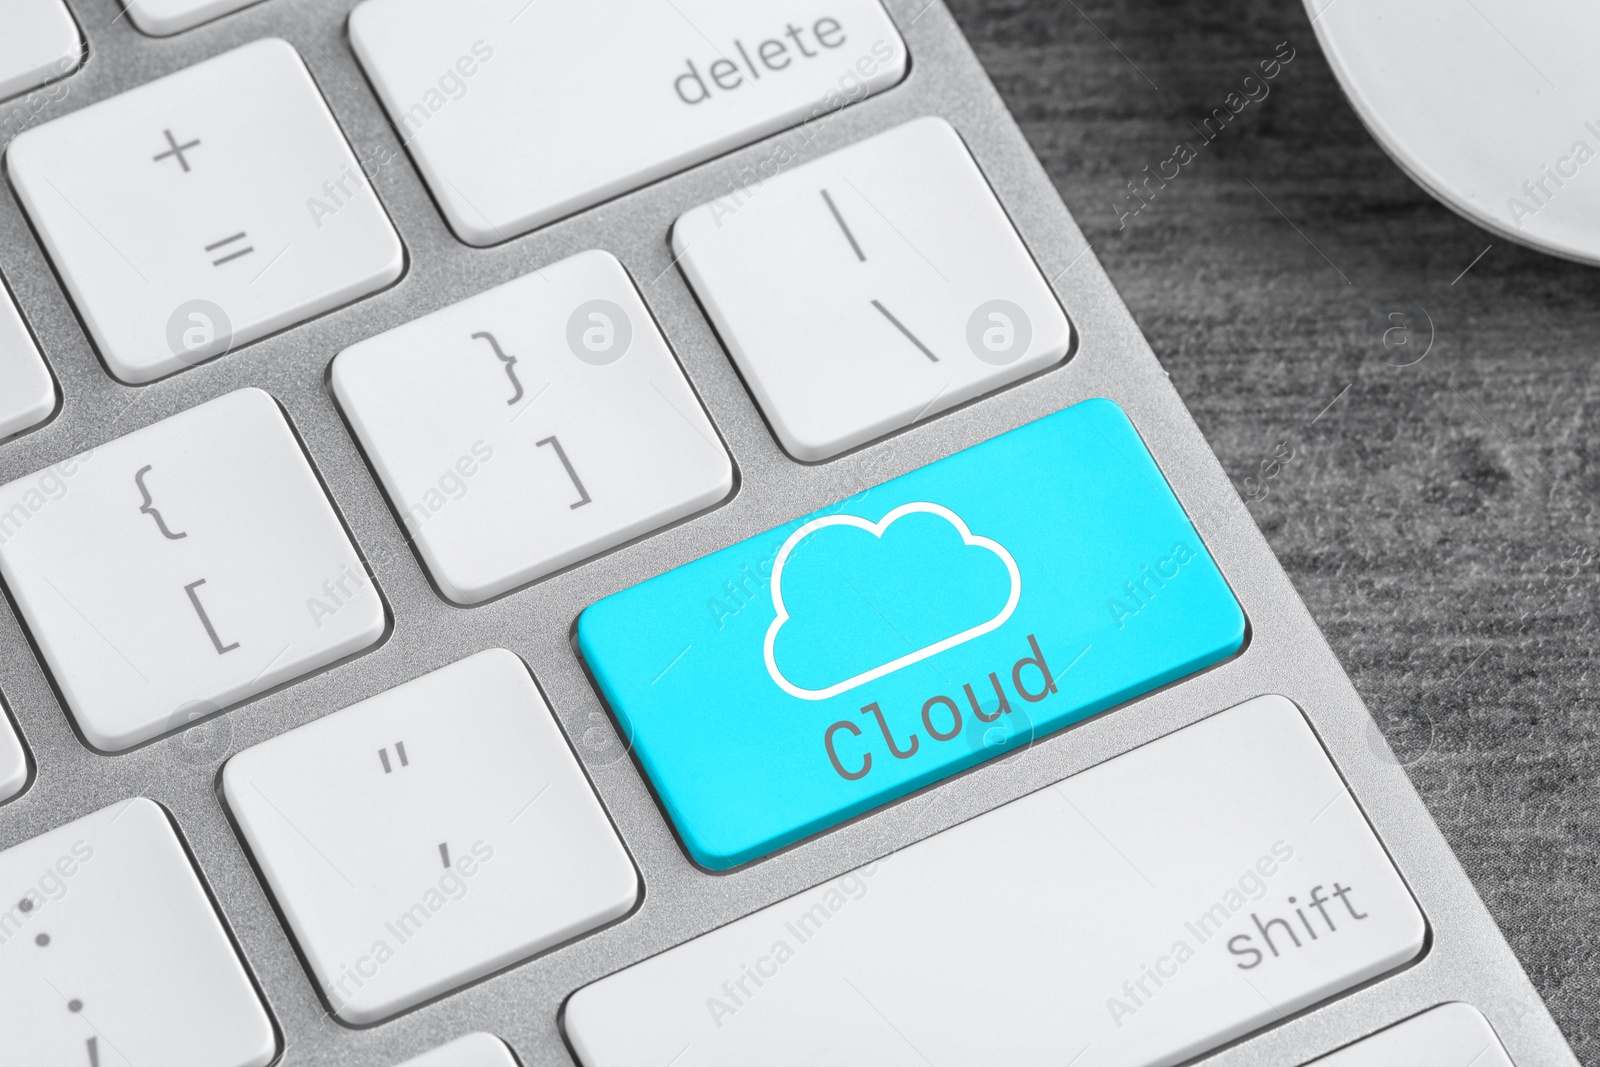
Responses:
[231,254]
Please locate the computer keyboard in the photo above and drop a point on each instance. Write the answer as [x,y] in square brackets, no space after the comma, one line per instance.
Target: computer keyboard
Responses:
[639,533]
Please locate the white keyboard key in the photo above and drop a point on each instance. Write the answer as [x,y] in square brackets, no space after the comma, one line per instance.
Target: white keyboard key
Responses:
[185,567]
[1137,914]
[40,42]
[1451,1035]
[27,393]
[204,210]
[112,956]
[531,426]
[161,18]
[517,117]
[13,761]
[429,836]
[869,288]
[472,1050]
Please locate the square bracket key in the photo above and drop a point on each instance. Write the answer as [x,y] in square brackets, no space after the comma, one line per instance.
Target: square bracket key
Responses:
[532,426]
[188,566]
[204,210]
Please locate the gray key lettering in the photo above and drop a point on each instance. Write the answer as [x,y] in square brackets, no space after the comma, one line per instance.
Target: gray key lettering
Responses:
[148,508]
[176,150]
[211,631]
[509,361]
[848,236]
[231,255]
[886,313]
[565,462]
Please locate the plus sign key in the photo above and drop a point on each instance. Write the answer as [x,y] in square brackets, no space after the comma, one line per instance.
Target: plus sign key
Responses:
[204,210]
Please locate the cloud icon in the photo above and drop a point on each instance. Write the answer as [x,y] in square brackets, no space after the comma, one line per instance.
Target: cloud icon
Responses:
[918,590]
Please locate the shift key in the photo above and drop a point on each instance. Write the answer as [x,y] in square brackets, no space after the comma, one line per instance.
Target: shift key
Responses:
[826,667]
[1140,914]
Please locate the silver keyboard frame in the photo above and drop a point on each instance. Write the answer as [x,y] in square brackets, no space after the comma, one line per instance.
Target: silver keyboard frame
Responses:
[1467,958]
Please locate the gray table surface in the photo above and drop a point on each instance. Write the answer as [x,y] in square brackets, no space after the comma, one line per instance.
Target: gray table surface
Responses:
[1439,519]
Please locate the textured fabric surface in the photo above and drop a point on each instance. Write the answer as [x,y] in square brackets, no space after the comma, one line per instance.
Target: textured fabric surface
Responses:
[1442,519]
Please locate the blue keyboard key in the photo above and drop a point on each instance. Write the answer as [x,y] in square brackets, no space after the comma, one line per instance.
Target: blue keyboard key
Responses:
[819,670]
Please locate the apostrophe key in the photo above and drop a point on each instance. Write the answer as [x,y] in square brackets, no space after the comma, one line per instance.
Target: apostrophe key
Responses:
[428,836]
